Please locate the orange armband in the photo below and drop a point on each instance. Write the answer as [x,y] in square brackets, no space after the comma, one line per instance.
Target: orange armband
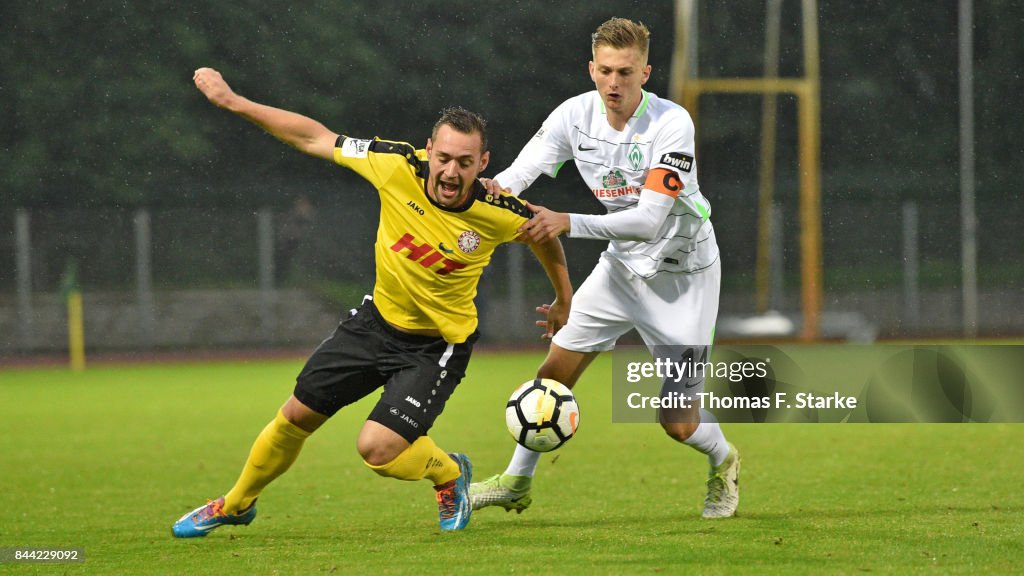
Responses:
[664,181]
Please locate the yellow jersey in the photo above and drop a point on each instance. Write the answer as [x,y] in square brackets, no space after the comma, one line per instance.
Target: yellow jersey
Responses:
[428,258]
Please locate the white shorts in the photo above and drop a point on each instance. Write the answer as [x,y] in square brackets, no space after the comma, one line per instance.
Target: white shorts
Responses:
[669,309]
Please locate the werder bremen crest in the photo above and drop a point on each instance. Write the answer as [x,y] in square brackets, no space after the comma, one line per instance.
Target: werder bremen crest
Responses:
[636,157]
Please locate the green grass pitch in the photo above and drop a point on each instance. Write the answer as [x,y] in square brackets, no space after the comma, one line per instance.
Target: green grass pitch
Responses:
[108,459]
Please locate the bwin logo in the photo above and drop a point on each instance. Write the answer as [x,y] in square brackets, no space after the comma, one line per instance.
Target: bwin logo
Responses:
[678,160]
[412,401]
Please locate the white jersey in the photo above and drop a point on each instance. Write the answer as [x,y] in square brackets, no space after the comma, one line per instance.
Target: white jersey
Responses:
[615,166]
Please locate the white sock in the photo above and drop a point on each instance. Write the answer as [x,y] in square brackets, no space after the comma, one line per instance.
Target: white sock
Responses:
[709,439]
[523,462]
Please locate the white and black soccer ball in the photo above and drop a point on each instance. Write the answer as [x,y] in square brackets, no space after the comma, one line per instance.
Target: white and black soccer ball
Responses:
[542,415]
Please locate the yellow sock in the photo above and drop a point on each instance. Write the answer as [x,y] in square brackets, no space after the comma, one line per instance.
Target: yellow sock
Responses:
[273,452]
[423,459]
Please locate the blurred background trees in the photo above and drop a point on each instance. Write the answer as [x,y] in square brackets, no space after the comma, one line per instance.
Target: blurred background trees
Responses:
[99,109]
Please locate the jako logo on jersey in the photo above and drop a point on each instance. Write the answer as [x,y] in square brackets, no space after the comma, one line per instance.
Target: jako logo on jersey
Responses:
[469,241]
[413,205]
[678,160]
[426,255]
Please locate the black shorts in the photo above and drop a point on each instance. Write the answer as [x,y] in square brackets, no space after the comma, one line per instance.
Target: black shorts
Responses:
[418,373]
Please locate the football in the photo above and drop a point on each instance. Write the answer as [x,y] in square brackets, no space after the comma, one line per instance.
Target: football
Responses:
[542,415]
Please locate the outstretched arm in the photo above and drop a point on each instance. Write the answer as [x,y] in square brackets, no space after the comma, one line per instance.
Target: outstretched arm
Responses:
[641,223]
[552,258]
[298,131]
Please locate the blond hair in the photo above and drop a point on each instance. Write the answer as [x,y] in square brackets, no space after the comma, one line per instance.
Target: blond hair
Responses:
[622,33]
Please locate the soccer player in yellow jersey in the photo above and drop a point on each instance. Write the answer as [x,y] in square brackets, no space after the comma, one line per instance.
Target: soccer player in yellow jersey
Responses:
[413,337]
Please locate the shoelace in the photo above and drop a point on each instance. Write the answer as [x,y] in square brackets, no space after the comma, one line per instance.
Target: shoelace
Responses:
[716,486]
[213,508]
[446,502]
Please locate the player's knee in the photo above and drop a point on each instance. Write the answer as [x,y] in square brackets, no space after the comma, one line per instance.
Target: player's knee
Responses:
[679,431]
[377,450]
[302,416]
[376,454]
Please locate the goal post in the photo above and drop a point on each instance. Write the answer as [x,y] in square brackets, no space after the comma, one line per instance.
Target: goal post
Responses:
[687,87]
[72,296]
[76,331]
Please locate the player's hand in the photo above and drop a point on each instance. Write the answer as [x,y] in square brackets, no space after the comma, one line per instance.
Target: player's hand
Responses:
[555,315]
[545,224]
[213,86]
[492,186]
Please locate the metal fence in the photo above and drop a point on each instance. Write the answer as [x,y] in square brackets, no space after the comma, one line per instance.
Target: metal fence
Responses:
[185,278]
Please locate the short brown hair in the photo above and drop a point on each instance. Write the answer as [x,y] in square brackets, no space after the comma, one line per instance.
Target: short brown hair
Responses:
[622,33]
[464,121]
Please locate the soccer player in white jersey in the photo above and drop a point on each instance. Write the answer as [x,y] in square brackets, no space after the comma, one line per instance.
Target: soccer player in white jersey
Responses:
[660,273]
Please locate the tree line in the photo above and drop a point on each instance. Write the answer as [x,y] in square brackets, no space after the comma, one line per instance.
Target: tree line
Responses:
[99,109]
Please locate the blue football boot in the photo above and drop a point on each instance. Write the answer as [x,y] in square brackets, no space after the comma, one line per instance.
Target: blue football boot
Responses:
[204,519]
[453,504]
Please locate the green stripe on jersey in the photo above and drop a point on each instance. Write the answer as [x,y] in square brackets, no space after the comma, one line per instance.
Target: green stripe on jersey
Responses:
[643,104]
[557,168]
[703,210]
